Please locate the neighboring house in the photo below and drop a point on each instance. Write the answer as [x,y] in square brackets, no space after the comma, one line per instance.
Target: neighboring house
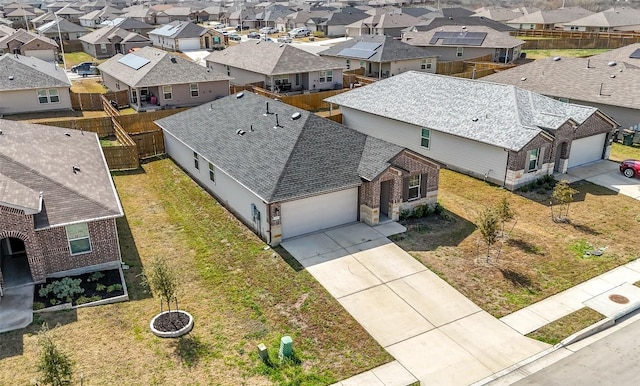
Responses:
[336,23]
[58,204]
[589,81]
[171,14]
[6,30]
[499,133]
[62,27]
[629,54]
[284,171]
[612,20]
[385,24]
[69,13]
[381,56]
[280,67]
[94,18]
[129,24]
[21,17]
[268,17]
[29,84]
[211,13]
[498,14]
[462,43]
[184,36]
[140,12]
[468,21]
[29,44]
[549,19]
[43,19]
[108,41]
[149,74]
[299,19]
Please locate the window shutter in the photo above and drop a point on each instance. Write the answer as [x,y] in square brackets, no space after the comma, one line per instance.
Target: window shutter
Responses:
[423,185]
[405,189]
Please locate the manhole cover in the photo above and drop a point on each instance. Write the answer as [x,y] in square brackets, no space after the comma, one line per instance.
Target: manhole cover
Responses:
[619,299]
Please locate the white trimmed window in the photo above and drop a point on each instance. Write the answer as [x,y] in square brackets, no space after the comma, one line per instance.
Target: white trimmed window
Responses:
[426,64]
[167,93]
[195,91]
[425,138]
[78,238]
[103,48]
[534,158]
[212,173]
[414,187]
[48,96]
[196,161]
[280,79]
[348,64]
[362,65]
[326,76]
[459,52]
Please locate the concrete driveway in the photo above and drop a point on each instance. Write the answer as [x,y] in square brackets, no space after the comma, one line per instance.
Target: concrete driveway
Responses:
[434,332]
[604,173]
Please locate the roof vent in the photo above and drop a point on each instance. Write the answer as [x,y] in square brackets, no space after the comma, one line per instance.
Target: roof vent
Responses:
[67,134]
[296,116]
[173,60]
[267,112]
[258,41]
[240,132]
[523,78]
[10,77]
[612,76]
[239,95]
[75,169]
[281,45]
[556,58]
[611,64]
[475,119]
[277,123]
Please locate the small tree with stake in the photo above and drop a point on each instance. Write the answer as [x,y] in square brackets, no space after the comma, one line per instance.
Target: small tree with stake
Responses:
[505,213]
[55,366]
[563,195]
[488,225]
[162,282]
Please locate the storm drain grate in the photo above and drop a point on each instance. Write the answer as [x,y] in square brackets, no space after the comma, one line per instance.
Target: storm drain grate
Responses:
[618,299]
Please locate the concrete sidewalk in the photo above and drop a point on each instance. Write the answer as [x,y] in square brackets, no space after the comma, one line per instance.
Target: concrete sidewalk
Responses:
[594,293]
[436,334]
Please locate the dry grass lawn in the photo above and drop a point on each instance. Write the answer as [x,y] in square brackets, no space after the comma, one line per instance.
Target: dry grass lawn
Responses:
[540,258]
[88,86]
[239,293]
[620,152]
[554,332]
[567,53]
[55,116]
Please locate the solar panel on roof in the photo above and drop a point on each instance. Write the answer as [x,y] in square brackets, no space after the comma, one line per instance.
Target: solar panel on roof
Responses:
[369,46]
[459,38]
[356,53]
[635,54]
[133,61]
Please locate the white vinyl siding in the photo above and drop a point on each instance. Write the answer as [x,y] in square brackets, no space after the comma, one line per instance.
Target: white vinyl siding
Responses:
[319,212]
[167,93]
[586,149]
[48,96]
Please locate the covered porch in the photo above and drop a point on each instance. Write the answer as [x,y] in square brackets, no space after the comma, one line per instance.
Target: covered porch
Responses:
[144,98]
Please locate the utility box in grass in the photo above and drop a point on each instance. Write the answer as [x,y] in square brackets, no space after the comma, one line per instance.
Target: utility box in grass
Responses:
[286,347]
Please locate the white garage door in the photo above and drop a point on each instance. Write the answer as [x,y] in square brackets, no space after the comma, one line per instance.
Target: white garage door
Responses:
[46,55]
[587,149]
[319,212]
[189,44]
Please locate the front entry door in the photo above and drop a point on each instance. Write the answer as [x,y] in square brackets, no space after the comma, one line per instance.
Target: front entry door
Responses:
[385,187]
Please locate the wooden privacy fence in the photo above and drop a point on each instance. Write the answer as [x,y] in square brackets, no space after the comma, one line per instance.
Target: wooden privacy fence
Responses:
[93,101]
[143,122]
[99,125]
[313,101]
[558,34]
[459,66]
[580,43]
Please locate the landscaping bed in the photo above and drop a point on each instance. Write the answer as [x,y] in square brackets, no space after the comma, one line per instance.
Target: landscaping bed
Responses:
[78,289]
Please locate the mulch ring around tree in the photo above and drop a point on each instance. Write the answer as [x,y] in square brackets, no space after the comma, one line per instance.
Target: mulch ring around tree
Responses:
[95,285]
[171,321]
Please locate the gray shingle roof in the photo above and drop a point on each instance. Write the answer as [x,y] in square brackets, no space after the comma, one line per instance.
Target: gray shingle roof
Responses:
[494,39]
[390,50]
[41,158]
[163,68]
[307,156]
[271,58]
[105,34]
[65,26]
[18,196]
[571,78]
[500,115]
[560,15]
[613,17]
[179,29]
[19,72]
[621,54]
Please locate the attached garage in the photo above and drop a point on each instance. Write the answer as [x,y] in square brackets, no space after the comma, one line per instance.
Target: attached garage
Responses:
[319,212]
[588,149]
[188,44]
[46,55]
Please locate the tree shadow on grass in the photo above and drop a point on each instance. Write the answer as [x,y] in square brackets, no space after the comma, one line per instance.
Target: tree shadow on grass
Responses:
[12,342]
[518,279]
[131,258]
[586,229]
[525,247]
[190,350]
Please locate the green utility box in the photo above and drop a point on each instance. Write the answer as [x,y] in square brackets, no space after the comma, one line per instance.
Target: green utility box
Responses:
[286,347]
[627,139]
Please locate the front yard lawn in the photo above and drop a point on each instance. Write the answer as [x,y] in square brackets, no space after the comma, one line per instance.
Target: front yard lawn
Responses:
[567,53]
[620,152]
[239,292]
[540,258]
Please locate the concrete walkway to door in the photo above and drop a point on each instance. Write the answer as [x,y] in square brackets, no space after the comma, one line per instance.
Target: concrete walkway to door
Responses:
[436,335]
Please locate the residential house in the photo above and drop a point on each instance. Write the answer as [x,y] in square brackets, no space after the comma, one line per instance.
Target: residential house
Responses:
[211,13]
[336,23]
[629,54]
[385,24]
[58,204]
[448,13]
[129,24]
[285,171]
[21,17]
[6,30]
[300,19]
[64,28]
[69,13]
[157,79]
[140,12]
[498,14]
[549,19]
[94,18]
[439,22]
[268,16]
[381,56]
[29,44]
[56,6]
[173,13]
[278,67]
[184,36]
[462,43]
[43,19]
[499,133]
[623,19]
[610,86]
[241,17]
[29,84]
[109,41]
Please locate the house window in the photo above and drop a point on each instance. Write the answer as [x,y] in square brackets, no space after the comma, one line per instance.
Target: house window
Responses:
[574,28]
[228,71]
[167,93]
[212,173]
[348,64]
[426,64]
[103,48]
[534,156]
[326,76]
[280,79]
[459,52]
[424,138]
[196,161]
[414,187]
[362,65]
[78,238]
[193,88]
[48,96]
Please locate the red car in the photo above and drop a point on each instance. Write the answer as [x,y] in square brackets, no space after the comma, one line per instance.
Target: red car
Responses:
[630,167]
